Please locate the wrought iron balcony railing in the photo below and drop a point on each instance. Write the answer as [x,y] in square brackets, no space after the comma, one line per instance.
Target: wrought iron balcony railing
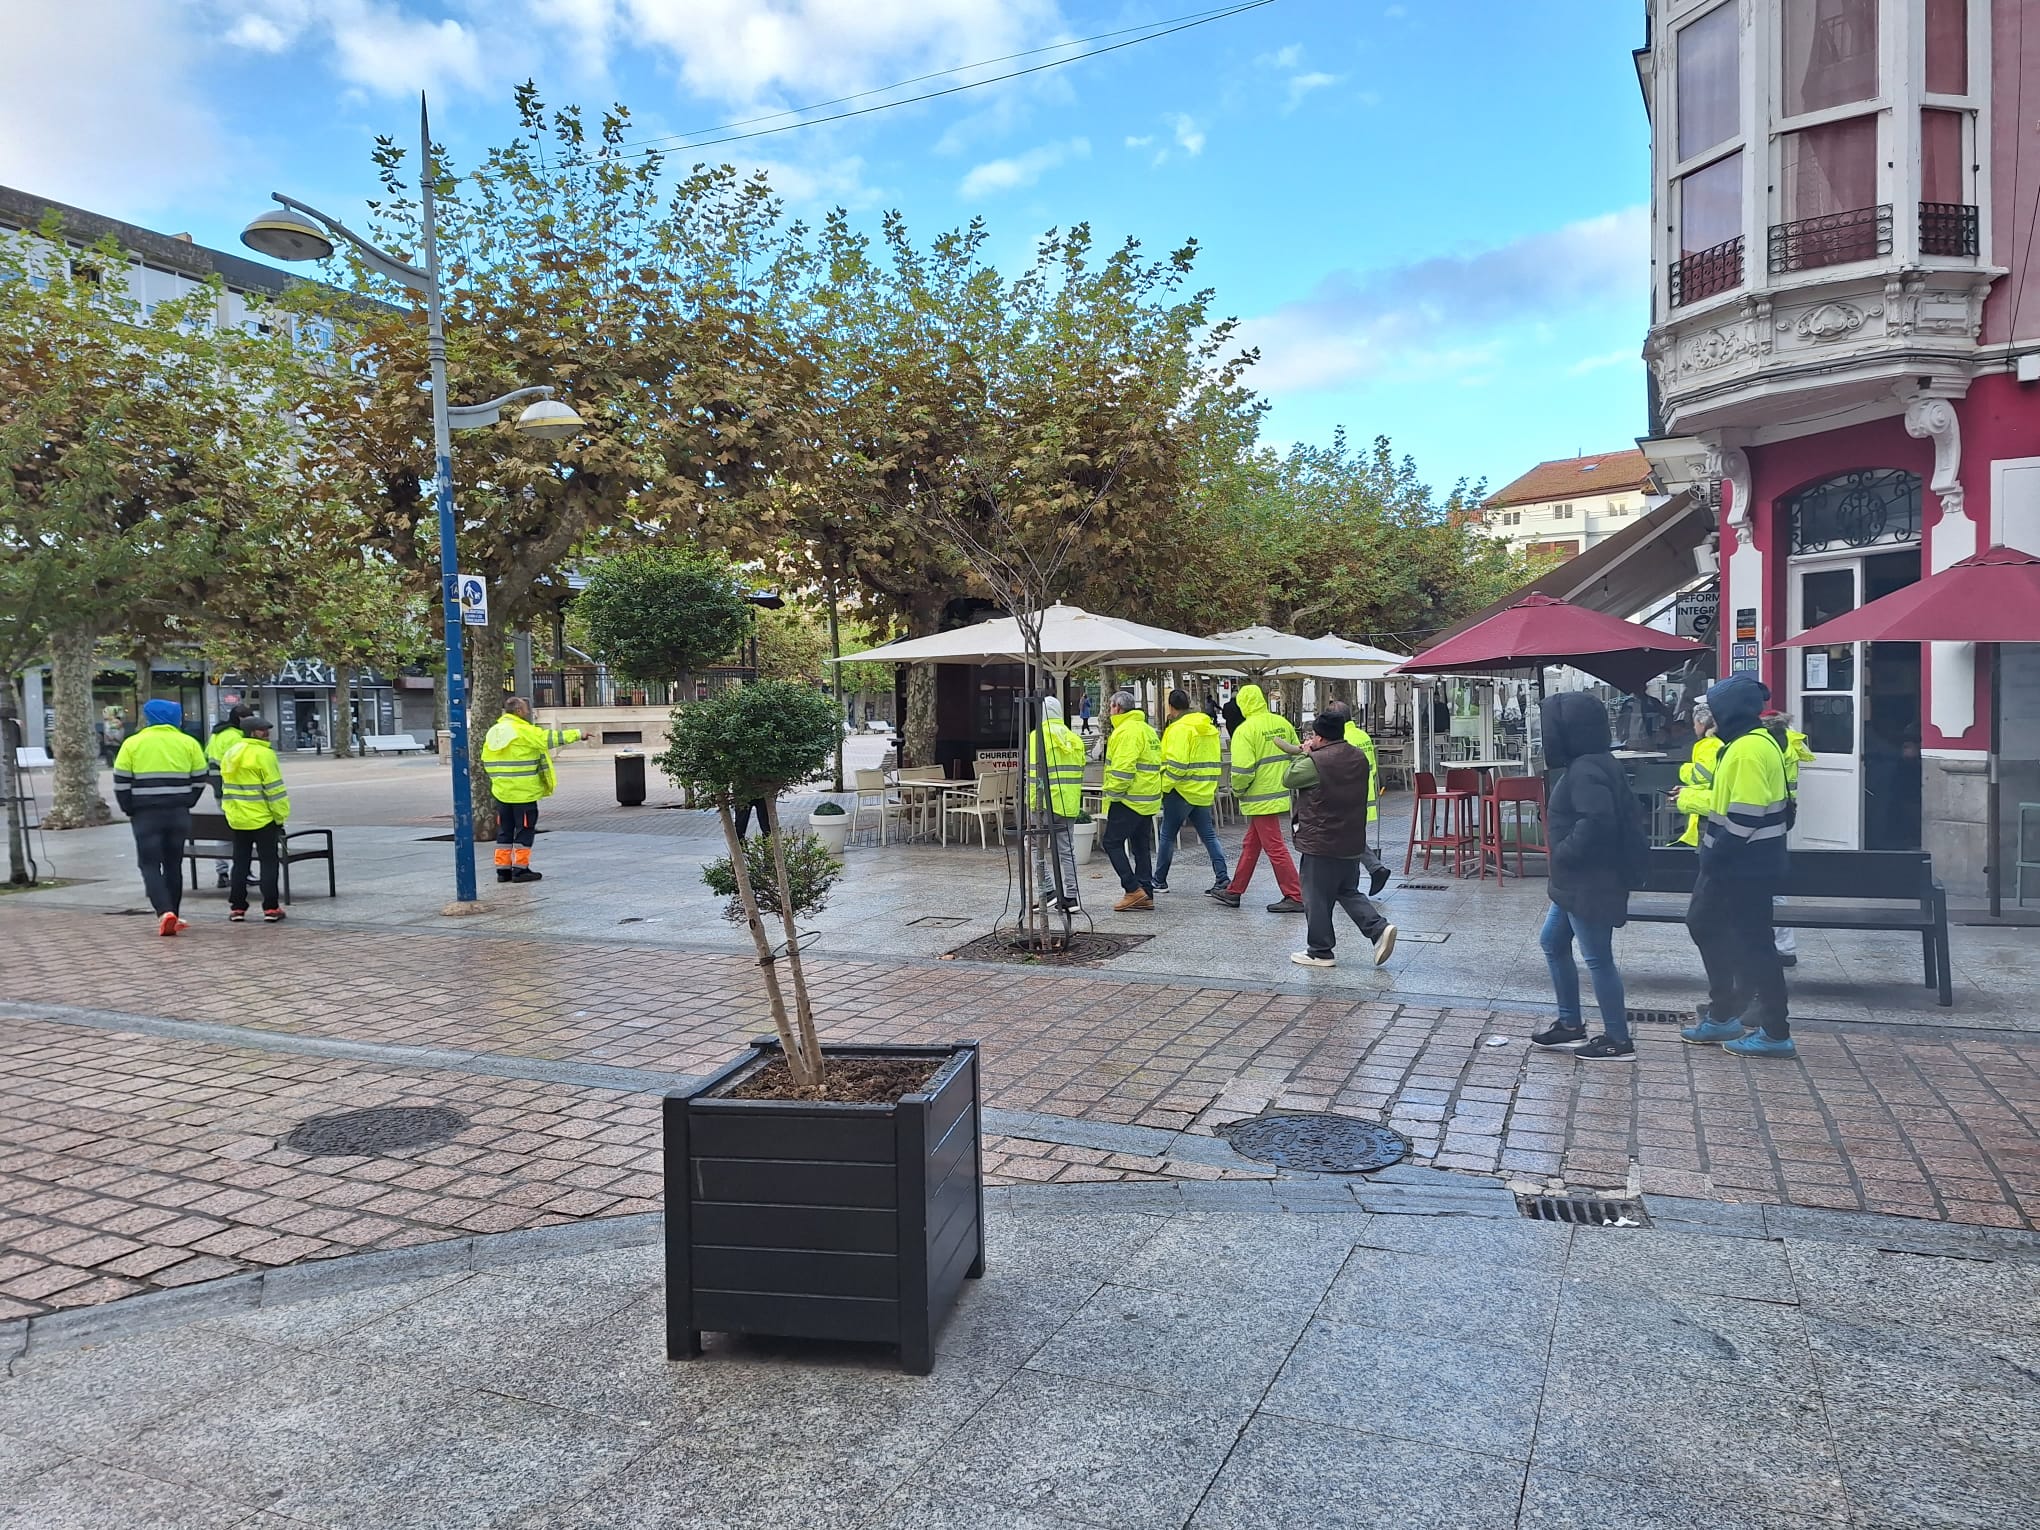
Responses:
[1832,239]
[1706,272]
[1948,228]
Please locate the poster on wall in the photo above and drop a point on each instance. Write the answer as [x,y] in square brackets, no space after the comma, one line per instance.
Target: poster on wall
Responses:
[1745,624]
[1816,670]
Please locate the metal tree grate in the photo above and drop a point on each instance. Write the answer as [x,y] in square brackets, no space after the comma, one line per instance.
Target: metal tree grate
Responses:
[936,922]
[1659,1016]
[371,1133]
[1324,1144]
[1583,1210]
[1422,887]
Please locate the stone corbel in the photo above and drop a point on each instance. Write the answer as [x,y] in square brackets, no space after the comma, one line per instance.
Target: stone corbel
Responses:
[1732,466]
[1933,417]
[1951,667]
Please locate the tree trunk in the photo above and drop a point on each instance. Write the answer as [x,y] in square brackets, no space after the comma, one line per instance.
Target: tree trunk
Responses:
[10,740]
[343,712]
[75,800]
[485,704]
[804,1014]
[918,736]
[747,899]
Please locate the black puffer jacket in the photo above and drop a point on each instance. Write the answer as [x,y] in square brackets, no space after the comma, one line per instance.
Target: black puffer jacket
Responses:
[1596,823]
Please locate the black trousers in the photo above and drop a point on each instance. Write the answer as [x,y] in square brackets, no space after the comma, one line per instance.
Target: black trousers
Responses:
[267,844]
[756,806]
[1730,922]
[160,835]
[1127,830]
[516,823]
[1330,880]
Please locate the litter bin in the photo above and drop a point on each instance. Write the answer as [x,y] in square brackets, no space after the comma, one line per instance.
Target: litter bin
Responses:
[630,778]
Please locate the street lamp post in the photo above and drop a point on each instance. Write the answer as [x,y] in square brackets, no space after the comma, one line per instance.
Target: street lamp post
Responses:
[310,237]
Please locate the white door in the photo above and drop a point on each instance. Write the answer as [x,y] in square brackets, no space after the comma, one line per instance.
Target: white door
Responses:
[1826,690]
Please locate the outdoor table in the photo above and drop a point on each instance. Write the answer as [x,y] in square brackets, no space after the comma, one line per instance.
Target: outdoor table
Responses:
[944,791]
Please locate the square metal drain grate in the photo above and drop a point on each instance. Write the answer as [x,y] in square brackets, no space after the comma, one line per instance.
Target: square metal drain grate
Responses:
[1584,1210]
[1426,937]
[936,922]
[1659,1016]
[1423,887]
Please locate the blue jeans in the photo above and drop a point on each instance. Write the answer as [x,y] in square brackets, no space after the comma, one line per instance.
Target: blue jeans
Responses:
[1175,813]
[1597,950]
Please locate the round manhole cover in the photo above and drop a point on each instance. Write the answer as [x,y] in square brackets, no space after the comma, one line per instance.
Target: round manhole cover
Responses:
[1324,1144]
[366,1133]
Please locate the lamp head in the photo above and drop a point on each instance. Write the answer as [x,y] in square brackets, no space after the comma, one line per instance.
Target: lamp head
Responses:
[549,420]
[283,234]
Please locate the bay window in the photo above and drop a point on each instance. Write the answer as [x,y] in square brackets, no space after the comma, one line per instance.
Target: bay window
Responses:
[1708,184]
[1828,206]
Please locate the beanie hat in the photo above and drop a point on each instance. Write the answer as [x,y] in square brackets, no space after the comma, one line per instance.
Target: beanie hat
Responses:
[161,712]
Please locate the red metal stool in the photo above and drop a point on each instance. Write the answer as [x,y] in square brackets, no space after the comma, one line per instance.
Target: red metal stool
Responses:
[1517,792]
[1457,833]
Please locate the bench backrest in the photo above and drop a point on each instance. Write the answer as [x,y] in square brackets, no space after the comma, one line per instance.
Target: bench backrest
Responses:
[30,757]
[1892,875]
[392,741]
[211,826]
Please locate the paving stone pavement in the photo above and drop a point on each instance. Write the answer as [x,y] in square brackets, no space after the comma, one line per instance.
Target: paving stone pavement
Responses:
[1124,1364]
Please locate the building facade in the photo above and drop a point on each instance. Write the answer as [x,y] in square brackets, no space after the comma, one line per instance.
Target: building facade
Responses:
[1569,505]
[1845,356]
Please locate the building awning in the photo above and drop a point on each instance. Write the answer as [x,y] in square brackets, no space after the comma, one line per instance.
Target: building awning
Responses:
[1641,566]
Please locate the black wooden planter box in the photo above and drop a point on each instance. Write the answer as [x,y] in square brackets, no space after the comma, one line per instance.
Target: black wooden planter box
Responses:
[816,1220]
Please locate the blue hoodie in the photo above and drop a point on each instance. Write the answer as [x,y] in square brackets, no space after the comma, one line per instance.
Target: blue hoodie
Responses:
[160,713]
[1743,833]
[1737,703]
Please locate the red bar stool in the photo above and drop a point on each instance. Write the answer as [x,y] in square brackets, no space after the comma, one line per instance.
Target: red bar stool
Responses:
[1517,793]
[1456,833]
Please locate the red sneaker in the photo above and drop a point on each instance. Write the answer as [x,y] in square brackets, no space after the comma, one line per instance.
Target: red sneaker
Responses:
[183,924]
[237,915]
[167,925]
[272,916]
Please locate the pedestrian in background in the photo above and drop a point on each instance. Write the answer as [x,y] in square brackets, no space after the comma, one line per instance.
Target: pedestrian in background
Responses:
[1256,771]
[1058,755]
[224,737]
[257,808]
[1599,853]
[1190,772]
[517,755]
[158,777]
[1133,800]
[1362,740]
[1331,835]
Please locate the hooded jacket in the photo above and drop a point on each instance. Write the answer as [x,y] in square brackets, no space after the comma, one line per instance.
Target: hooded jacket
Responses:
[160,766]
[518,757]
[1190,765]
[1742,837]
[1598,845]
[1058,751]
[1133,765]
[1257,765]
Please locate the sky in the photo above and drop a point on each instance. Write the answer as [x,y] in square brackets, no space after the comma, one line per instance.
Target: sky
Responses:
[1429,217]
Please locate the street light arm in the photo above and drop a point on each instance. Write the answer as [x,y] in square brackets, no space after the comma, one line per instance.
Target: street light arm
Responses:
[377,260]
[475,416]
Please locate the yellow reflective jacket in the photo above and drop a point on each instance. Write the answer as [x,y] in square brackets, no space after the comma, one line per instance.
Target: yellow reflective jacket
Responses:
[1257,765]
[1063,752]
[159,766]
[251,785]
[1361,740]
[1133,765]
[1744,836]
[224,738]
[517,756]
[1190,758]
[1797,753]
[1696,786]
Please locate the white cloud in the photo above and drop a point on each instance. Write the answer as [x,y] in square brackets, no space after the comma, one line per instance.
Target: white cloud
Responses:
[1142,142]
[1282,58]
[1189,136]
[98,106]
[386,52]
[258,34]
[1622,358]
[1020,170]
[1302,85]
[1430,317]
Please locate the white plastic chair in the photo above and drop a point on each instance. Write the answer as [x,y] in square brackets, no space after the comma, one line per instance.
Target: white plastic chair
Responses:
[995,795]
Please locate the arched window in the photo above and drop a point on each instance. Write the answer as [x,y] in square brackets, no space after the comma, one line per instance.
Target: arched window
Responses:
[1858,509]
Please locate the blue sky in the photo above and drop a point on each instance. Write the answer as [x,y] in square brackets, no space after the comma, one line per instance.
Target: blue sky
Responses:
[1430,215]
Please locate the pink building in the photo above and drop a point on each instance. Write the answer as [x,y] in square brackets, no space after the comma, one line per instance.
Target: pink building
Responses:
[1845,351]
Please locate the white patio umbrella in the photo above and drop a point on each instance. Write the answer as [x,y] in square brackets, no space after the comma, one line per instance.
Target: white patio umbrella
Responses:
[1285,655]
[1071,639]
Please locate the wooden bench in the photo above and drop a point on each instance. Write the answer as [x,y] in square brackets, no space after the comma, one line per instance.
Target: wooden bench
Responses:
[390,743]
[1874,889]
[212,839]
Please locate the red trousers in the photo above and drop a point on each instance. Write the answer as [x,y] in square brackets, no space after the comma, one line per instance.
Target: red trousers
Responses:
[1264,832]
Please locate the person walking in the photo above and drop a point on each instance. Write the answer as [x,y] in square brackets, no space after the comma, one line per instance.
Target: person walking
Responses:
[159,775]
[1331,834]
[1084,713]
[1190,771]
[1792,744]
[1742,865]
[224,737]
[257,808]
[1133,800]
[1256,773]
[1599,852]
[1056,754]
[1377,873]
[517,755]
[1696,776]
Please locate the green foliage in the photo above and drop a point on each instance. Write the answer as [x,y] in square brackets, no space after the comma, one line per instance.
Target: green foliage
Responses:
[792,644]
[811,874]
[829,810]
[663,612]
[750,740]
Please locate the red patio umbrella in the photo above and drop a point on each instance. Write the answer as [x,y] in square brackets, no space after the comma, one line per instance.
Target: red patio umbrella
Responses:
[1993,597]
[1538,630]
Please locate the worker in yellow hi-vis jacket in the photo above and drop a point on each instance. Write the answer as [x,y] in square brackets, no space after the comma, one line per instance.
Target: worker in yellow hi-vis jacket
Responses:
[517,754]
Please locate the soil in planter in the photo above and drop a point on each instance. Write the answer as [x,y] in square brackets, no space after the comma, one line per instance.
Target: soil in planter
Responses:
[849,1080]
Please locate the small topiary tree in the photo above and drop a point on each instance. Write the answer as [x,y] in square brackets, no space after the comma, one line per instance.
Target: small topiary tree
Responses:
[751,742]
[661,613]
[811,874]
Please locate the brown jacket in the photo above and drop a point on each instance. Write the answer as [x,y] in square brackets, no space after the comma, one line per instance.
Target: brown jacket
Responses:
[1331,817]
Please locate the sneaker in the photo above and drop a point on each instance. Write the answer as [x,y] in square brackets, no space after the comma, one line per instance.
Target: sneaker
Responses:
[1069,906]
[1384,945]
[1305,959]
[223,881]
[1223,884]
[273,916]
[1224,895]
[1286,906]
[166,924]
[183,924]
[1602,1049]
[505,875]
[1378,881]
[1709,1032]
[1560,1038]
[1134,902]
[1161,886]
[237,916]
[526,874]
[1757,1044]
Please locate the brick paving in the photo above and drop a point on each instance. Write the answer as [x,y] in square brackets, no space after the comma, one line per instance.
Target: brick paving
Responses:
[134,1161]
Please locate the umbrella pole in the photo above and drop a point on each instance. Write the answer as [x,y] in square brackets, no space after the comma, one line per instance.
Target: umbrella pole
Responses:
[1994,853]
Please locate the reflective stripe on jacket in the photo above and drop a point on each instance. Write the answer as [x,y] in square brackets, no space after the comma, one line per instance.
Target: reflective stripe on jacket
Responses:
[251,786]
[1063,752]
[1361,740]
[1190,759]
[1744,836]
[1133,765]
[1257,765]
[158,767]
[517,756]
[1696,786]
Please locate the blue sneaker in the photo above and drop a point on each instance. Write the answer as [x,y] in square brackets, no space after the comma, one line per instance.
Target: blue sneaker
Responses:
[1757,1044]
[1710,1032]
